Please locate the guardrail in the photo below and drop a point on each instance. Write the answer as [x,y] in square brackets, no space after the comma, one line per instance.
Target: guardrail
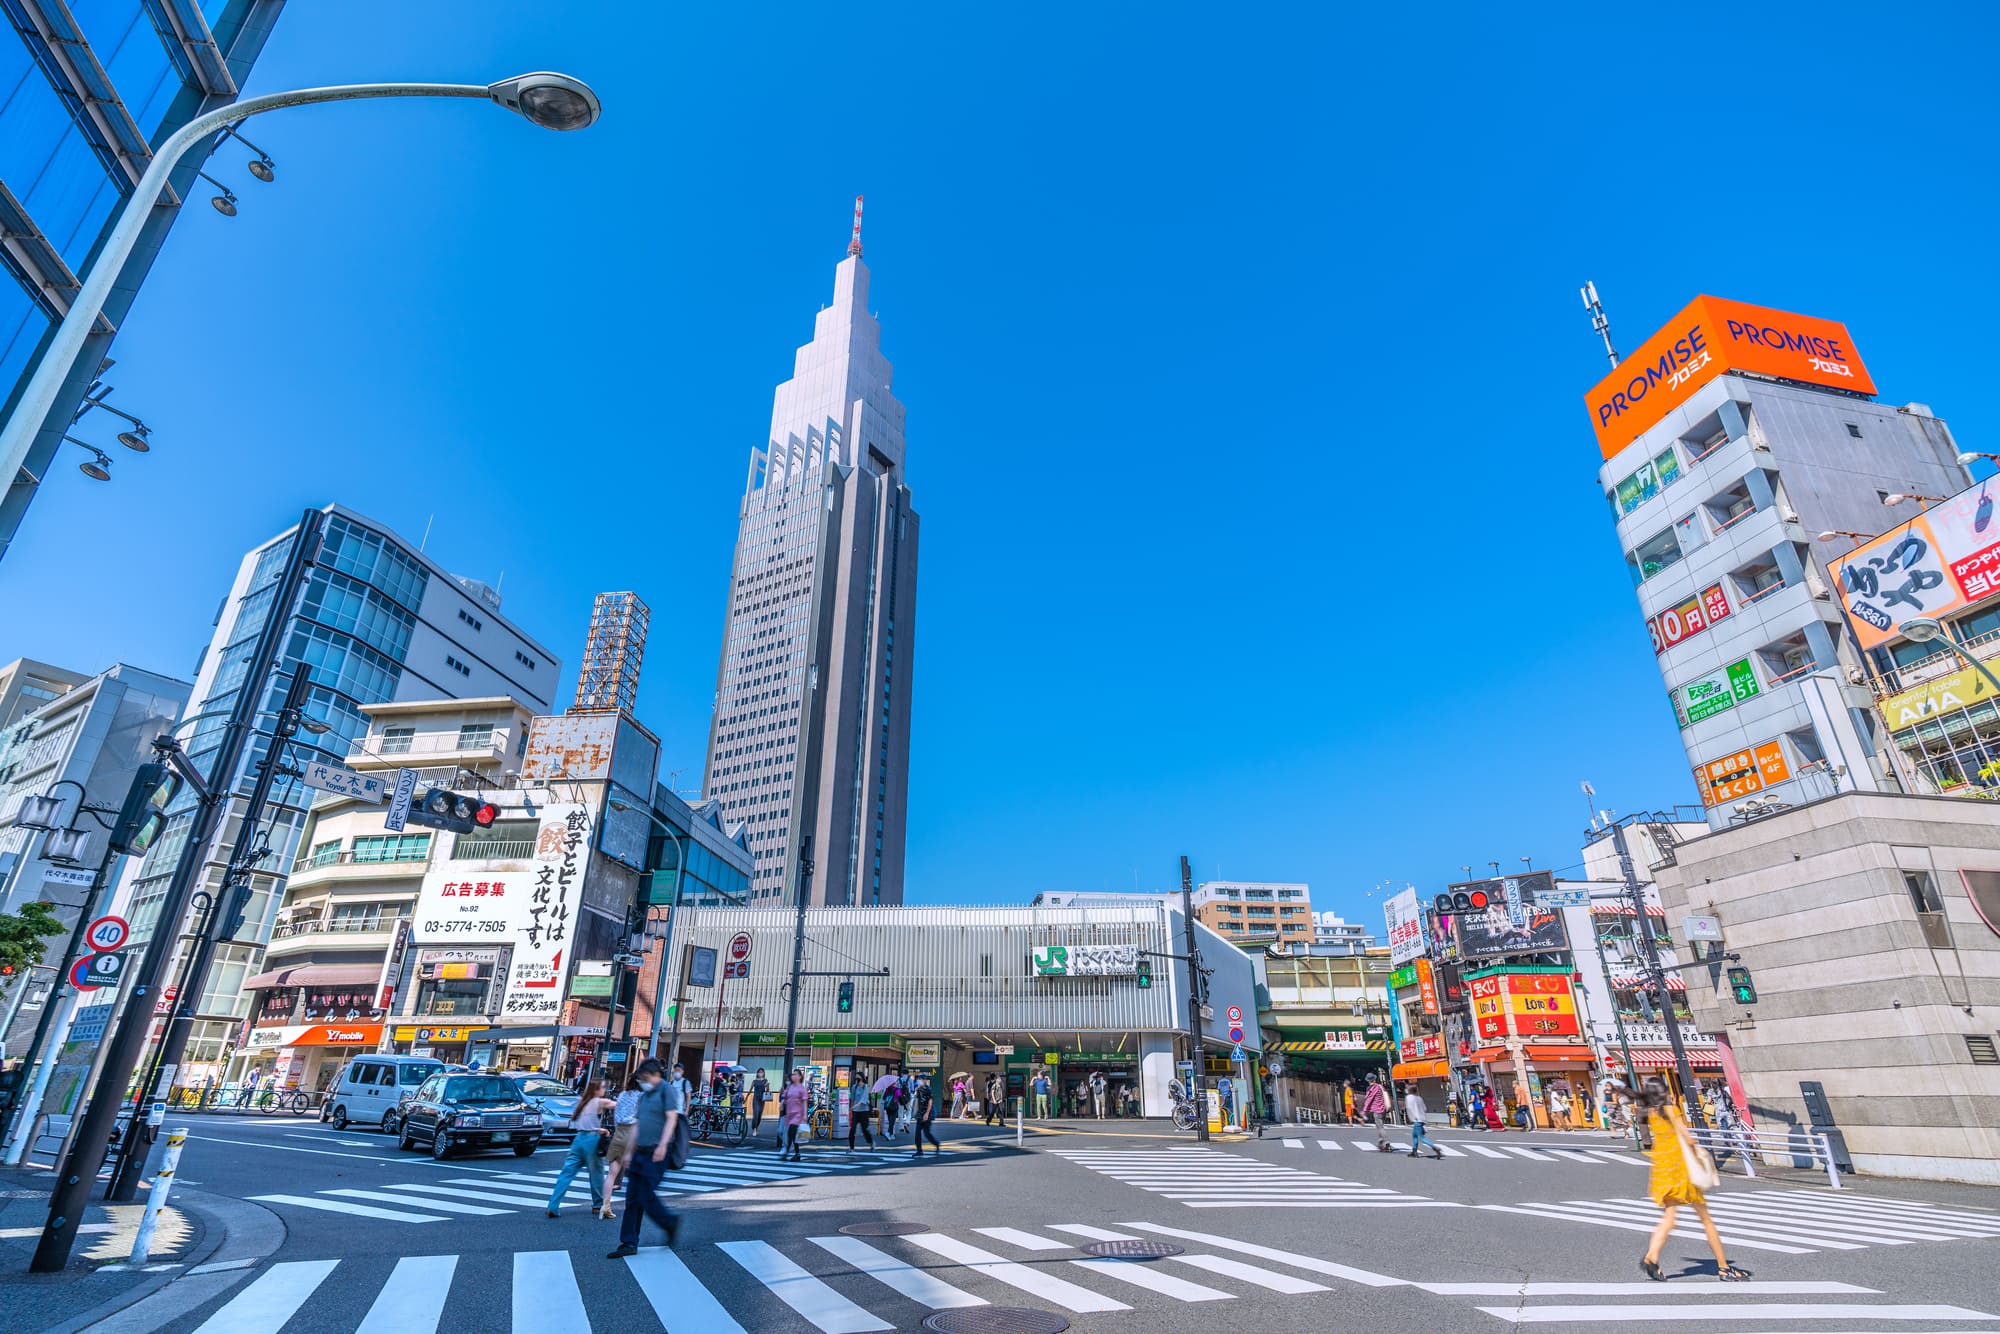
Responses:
[1788,1146]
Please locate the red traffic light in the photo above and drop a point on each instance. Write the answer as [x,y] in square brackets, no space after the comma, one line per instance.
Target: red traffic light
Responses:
[1478,898]
[486,814]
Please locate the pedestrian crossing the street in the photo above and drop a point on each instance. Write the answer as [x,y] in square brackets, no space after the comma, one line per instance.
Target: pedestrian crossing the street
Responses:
[1789,1222]
[1211,1179]
[839,1284]
[1542,1154]
[486,1194]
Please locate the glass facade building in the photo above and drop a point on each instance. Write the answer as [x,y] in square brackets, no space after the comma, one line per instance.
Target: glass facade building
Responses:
[85,88]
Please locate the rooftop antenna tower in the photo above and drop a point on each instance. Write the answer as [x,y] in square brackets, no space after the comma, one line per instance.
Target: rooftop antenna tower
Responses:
[854,246]
[1598,319]
[608,681]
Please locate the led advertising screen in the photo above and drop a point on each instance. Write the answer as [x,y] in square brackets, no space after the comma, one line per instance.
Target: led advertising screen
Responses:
[1512,923]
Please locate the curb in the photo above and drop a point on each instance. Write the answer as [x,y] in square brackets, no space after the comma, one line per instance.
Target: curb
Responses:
[236,1236]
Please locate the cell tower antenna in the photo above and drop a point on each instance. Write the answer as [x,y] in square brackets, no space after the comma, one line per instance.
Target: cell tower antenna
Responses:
[1598,319]
[854,246]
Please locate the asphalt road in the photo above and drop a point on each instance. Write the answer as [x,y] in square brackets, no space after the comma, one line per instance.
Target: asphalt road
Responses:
[1314,1233]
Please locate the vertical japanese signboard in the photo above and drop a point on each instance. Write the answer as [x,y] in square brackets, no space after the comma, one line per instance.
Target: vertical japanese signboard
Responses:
[1748,770]
[532,909]
[1406,927]
[1689,619]
[1944,560]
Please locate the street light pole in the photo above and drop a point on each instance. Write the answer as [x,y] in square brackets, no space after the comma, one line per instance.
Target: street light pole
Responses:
[798,958]
[1656,977]
[1194,977]
[554,101]
[1928,630]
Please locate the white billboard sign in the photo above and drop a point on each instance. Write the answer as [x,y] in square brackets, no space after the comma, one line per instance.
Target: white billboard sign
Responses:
[1406,928]
[534,911]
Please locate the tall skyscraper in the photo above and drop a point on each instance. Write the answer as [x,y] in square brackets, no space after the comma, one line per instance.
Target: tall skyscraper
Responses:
[85,91]
[811,733]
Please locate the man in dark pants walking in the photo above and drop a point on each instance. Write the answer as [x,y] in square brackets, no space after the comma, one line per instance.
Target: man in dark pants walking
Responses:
[926,1108]
[646,1159]
[993,1095]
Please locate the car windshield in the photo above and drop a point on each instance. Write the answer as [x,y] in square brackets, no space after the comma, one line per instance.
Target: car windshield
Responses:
[543,1088]
[415,1074]
[481,1088]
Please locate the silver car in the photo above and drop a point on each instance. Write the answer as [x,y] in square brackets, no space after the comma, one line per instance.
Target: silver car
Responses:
[556,1101]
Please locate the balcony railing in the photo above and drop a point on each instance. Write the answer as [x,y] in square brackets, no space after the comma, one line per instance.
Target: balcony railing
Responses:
[492,849]
[360,857]
[430,743]
[1804,670]
[1765,591]
[1735,519]
[335,925]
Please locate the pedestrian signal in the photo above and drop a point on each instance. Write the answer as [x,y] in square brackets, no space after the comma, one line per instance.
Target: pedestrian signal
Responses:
[1145,974]
[846,1005]
[1742,987]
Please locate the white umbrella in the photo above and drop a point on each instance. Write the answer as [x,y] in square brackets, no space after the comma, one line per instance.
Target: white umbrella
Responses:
[885,1082]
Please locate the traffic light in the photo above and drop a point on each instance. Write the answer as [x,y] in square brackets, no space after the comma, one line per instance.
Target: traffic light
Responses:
[1461,901]
[1145,974]
[628,987]
[1742,987]
[144,813]
[846,1005]
[441,808]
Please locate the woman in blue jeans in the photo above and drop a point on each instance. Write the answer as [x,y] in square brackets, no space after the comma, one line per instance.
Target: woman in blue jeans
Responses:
[588,1118]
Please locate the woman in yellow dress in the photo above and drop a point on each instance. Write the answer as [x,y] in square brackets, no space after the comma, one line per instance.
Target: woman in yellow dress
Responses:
[1670,1186]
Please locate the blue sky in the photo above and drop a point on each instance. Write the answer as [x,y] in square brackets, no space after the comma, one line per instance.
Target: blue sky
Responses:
[1243,360]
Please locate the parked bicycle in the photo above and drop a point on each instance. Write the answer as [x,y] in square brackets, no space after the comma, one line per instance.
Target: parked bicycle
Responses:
[1185,1115]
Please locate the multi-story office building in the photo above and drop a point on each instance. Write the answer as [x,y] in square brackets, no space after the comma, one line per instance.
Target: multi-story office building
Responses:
[1334,934]
[1242,908]
[26,685]
[83,745]
[811,733]
[84,92]
[1734,441]
[377,621]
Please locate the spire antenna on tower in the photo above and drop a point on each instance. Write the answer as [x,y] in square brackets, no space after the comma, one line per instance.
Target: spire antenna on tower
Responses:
[854,246]
[1599,321]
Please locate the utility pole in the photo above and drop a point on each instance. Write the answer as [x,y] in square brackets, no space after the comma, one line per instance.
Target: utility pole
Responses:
[1655,977]
[1196,989]
[78,1169]
[798,957]
[1618,1019]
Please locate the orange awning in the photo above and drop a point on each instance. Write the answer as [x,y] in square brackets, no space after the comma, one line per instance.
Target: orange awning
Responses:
[1420,1070]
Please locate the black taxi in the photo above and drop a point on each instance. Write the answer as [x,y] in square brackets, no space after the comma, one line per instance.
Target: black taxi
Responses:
[450,1111]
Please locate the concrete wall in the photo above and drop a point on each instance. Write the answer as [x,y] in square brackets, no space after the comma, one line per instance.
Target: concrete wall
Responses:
[1850,991]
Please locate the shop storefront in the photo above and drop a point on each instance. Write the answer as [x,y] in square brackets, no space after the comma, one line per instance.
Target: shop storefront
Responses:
[448,1043]
[304,1056]
[1310,1073]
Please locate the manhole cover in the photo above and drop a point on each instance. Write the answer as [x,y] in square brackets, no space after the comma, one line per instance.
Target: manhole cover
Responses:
[884,1229]
[996,1320]
[1133,1250]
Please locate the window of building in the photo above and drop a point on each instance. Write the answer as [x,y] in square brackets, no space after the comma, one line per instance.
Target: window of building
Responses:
[524,660]
[357,917]
[475,736]
[1854,429]
[323,854]
[461,668]
[1651,478]
[1923,893]
[396,740]
[392,847]
[470,619]
[1656,553]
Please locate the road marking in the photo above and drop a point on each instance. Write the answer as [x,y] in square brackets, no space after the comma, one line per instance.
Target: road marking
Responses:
[1027,1241]
[546,1298]
[1647,1288]
[1647,1211]
[1142,1274]
[218,1266]
[1448,1151]
[1094,1233]
[1331,1144]
[271,1299]
[1876,1205]
[1530,1315]
[1535,1154]
[18,1233]
[383,1159]
[1576,1156]
[1612,1155]
[494,1193]
[440,1205]
[1483,1151]
[358,1210]
[1789,1214]
[412,1301]
[1046,1286]
[1256,1274]
[1310,1264]
[825,1308]
[1579,1216]
[677,1296]
[911,1282]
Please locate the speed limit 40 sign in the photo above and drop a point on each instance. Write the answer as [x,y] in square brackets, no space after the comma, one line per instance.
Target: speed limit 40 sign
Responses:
[107,933]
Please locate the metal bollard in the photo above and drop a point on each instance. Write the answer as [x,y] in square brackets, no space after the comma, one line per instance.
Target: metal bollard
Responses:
[163,1181]
[1020,1132]
[1832,1171]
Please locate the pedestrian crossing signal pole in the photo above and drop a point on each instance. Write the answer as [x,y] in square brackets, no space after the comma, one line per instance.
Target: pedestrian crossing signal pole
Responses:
[798,957]
[1195,989]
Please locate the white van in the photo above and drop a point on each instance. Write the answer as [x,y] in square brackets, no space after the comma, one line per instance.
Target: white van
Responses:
[367,1091]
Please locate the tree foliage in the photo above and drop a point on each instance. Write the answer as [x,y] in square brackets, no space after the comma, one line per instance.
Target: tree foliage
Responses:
[21,935]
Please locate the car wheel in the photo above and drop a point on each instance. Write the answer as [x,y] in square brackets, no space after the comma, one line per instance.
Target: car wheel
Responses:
[389,1123]
[440,1145]
[404,1142]
[340,1118]
[523,1150]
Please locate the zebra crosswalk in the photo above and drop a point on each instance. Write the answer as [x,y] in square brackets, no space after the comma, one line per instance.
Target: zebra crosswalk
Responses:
[489,1194]
[1542,1154]
[1789,1222]
[840,1284]
[1211,1179]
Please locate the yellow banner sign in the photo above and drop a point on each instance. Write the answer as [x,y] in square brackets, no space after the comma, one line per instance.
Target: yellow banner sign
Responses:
[1946,694]
[412,1033]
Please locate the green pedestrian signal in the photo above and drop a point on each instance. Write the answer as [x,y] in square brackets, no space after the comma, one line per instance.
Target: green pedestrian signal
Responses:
[846,998]
[1742,987]
[1145,974]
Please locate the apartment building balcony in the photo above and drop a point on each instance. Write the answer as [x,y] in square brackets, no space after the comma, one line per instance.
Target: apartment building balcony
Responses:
[373,934]
[322,870]
[439,750]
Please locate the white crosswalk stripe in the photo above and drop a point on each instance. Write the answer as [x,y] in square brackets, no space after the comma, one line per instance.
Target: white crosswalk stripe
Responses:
[1211,1179]
[1790,1222]
[844,1285]
[501,1192]
[1537,1153]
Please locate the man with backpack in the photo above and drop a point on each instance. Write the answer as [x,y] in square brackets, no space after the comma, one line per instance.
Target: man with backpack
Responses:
[925,1107]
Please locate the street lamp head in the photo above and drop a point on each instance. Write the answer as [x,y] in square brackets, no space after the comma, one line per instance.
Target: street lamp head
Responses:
[264,170]
[98,468]
[315,726]
[1922,629]
[1829,535]
[225,203]
[136,440]
[618,805]
[552,101]
[39,812]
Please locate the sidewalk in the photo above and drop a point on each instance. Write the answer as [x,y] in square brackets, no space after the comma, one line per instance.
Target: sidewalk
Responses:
[197,1234]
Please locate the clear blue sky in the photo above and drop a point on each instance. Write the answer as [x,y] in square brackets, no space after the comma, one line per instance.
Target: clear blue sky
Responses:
[1243,360]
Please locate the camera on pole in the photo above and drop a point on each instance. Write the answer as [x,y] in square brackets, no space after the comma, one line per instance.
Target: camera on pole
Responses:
[144,814]
[441,808]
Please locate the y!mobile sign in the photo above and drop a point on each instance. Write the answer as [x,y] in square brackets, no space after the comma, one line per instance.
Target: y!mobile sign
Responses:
[1942,561]
[1406,927]
[528,903]
[1707,338]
